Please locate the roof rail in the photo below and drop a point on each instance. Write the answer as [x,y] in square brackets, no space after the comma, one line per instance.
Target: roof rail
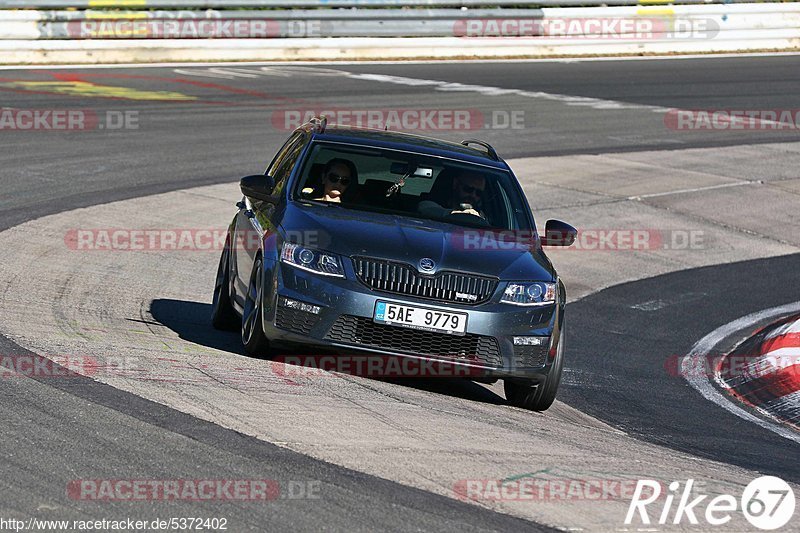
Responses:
[319,123]
[491,151]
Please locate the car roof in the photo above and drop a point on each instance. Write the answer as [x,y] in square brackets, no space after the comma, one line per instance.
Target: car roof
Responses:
[405,141]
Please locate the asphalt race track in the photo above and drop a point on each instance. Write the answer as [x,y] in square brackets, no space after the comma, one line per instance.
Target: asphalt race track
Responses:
[653,408]
[592,146]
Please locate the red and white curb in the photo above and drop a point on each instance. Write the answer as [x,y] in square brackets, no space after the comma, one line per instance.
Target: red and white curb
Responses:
[769,381]
[709,385]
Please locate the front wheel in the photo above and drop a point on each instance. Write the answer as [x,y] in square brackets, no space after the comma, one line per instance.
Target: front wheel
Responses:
[253,338]
[538,397]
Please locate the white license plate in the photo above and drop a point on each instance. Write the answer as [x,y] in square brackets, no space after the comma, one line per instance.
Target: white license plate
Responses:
[422,318]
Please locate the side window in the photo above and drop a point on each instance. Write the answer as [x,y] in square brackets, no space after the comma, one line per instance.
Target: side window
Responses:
[284,162]
[506,210]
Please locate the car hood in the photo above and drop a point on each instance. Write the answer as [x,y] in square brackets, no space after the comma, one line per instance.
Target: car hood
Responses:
[362,233]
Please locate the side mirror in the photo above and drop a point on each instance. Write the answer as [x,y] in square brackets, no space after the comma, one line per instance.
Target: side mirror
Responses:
[258,186]
[557,233]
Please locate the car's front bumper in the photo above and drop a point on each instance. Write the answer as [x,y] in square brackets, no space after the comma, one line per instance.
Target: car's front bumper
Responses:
[340,312]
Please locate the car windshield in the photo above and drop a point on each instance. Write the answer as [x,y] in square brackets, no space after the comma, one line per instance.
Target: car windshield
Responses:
[411,184]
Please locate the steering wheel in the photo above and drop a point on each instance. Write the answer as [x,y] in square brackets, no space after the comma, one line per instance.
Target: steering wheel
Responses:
[467,219]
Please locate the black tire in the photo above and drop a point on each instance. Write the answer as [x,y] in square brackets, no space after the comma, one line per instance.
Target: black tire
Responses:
[223,315]
[533,396]
[253,338]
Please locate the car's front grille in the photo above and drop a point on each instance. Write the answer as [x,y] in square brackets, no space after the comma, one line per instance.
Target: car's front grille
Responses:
[295,320]
[401,278]
[363,331]
[530,356]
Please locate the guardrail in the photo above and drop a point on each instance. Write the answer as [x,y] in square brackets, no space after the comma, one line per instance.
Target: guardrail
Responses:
[249,24]
[248,34]
[680,23]
[230,4]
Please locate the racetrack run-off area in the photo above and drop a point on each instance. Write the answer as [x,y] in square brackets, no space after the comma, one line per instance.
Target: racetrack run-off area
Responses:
[683,231]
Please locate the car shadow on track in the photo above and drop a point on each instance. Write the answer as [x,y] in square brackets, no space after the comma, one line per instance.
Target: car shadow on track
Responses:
[455,387]
[192,322]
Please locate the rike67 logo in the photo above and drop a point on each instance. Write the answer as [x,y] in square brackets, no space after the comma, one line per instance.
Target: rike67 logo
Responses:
[767,503]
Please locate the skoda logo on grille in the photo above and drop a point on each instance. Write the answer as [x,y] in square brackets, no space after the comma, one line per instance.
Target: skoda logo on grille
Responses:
[426,264]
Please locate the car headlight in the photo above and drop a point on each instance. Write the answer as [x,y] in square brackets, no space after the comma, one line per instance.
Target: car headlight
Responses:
[312,260]
[534,293]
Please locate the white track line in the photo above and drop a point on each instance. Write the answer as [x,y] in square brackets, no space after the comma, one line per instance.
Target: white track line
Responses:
[792,327]
[703,384]
[696,189]
[570,100]
[488,90]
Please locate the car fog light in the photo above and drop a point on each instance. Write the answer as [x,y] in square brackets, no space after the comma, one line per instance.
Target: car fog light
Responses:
[530,341]
[300,306]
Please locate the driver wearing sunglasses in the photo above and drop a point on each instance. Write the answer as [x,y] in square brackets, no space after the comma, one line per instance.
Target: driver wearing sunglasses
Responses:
[466,197]
[337,176]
